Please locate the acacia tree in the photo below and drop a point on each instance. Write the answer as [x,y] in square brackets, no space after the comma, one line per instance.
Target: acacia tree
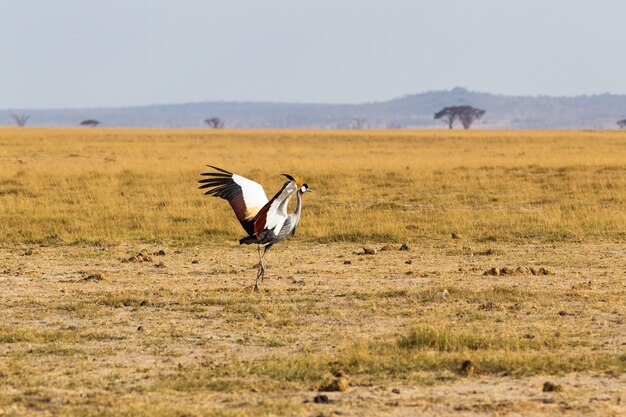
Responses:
[465,114]
[622,123]
[215,122]
[90,123]
[20,119]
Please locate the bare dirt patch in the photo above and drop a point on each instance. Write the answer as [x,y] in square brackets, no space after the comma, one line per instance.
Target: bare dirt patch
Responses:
[382,336]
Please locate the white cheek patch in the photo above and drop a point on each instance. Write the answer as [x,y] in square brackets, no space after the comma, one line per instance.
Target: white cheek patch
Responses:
[302,189]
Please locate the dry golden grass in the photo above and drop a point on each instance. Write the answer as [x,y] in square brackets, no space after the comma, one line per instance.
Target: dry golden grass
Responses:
[102,185]
[175,337]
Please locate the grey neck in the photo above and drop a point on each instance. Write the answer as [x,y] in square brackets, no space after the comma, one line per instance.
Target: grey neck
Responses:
[296,213]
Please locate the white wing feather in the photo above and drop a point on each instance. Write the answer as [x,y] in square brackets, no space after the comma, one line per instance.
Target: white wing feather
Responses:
[277,213]
[253,193]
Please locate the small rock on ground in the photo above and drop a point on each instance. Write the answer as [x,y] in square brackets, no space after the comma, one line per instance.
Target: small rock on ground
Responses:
[94,277]
[368,250]
[468,368]
[321,399]
[552,387]
[337,384]
[520,270]
[140,257]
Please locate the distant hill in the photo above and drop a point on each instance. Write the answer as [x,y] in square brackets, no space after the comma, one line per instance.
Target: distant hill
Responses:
[411,111]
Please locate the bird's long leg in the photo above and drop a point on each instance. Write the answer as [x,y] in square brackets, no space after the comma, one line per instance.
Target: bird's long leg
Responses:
[262,264]
[260,271]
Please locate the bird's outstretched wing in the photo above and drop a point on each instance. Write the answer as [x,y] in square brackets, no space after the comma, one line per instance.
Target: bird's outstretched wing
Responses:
[274,213]
[245,196]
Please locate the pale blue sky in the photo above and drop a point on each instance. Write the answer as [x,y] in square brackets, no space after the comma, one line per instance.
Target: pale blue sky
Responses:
[75,53]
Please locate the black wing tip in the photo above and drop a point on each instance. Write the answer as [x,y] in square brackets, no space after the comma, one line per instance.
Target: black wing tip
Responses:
[216,174]
[289,177]
[214,177]
[220,169]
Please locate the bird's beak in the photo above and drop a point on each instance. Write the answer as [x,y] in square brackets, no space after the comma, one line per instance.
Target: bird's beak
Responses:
[308,190]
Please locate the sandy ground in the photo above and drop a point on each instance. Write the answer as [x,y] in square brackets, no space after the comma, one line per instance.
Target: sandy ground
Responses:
[96,330]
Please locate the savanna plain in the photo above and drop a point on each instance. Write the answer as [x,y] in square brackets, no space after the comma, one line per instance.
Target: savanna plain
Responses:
[493,282]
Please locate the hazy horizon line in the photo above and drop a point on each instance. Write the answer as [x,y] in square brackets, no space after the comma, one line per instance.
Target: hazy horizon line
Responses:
[451,90]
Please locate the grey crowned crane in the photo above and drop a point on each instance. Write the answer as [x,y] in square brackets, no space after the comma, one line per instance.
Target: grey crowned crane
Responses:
[265,221]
